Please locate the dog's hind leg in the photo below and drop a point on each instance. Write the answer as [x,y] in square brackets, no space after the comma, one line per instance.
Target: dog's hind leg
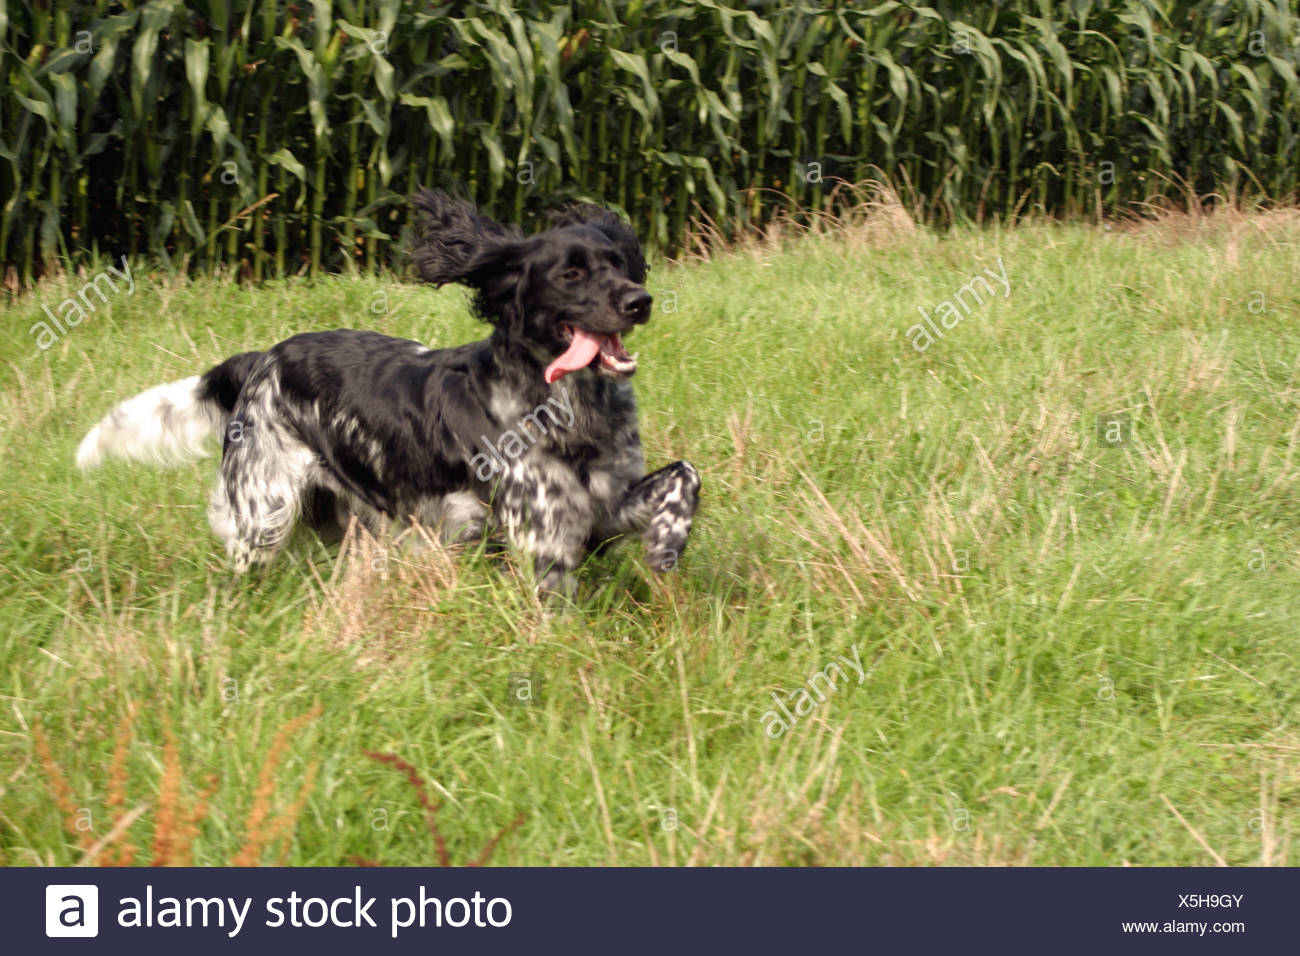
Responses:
[661,506]
[260,494]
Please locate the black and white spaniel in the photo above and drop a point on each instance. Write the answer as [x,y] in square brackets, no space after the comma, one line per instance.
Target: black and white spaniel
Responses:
[528,436]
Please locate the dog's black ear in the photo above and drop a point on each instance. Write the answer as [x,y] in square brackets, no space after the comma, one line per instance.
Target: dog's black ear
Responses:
[614,228]
[453,243]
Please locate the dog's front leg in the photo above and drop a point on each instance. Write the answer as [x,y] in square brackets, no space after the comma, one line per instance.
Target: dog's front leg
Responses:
[556,552]
[661,506]
[545,525]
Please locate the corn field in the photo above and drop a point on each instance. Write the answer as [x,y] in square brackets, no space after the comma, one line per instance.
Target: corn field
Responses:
[274,139]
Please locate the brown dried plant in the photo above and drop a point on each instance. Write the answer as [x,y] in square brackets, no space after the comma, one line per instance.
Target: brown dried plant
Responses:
[176,820]
[262,830]
[166,832]
[60,789]
[119,851]
[175,826]
[431,816]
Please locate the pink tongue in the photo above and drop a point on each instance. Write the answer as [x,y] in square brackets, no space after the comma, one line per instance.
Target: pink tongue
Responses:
[581,351]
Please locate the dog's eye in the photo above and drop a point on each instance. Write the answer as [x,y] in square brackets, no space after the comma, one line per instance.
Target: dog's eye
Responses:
[572,275]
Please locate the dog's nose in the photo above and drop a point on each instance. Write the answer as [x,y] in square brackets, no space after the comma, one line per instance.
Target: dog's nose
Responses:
[636,305]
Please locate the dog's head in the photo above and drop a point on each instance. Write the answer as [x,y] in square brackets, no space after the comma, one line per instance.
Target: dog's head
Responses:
[567,294]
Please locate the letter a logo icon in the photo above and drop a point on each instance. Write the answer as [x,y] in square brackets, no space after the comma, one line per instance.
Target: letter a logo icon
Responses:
[71,910]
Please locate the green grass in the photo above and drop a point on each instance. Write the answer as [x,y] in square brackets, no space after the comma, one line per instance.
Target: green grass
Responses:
[1067,646]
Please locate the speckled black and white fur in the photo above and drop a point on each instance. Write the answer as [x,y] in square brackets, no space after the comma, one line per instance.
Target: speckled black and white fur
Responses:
[325,425]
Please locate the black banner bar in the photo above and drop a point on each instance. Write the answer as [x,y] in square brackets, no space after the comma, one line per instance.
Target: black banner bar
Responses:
[652,911]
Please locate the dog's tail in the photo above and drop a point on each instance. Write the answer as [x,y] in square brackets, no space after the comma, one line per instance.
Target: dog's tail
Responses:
[169,424]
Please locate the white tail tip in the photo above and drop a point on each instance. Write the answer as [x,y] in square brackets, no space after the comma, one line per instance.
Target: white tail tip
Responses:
[166,425]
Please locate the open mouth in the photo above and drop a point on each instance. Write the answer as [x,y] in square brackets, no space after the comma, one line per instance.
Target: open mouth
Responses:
[602,351]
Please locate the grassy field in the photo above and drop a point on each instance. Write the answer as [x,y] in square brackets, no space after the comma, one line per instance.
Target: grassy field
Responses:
[1077,639]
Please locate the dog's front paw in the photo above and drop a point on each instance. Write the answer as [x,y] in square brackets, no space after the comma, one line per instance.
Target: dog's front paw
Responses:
[678,495]
[557,587]
[662,559]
